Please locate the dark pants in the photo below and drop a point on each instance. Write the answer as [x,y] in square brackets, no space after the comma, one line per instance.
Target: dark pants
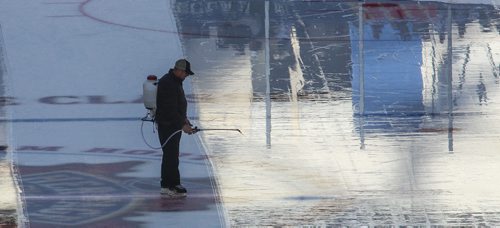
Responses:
[170,175]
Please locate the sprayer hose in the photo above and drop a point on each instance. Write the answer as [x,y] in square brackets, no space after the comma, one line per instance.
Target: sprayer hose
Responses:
[163,145]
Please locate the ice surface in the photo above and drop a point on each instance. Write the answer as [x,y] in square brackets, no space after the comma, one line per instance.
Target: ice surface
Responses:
[413,147]
[407,160]
[74,88]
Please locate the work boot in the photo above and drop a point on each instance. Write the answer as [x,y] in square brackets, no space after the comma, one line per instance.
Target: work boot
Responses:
[176,191]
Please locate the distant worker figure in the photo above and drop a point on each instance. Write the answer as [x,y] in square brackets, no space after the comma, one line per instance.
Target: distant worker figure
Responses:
[171,116]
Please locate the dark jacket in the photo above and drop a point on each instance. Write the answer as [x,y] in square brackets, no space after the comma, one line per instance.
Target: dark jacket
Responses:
[171,104]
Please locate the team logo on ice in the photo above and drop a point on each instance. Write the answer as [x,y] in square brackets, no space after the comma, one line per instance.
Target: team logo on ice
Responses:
[75,194]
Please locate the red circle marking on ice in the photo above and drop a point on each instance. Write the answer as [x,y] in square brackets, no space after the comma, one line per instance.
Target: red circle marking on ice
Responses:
[82,10]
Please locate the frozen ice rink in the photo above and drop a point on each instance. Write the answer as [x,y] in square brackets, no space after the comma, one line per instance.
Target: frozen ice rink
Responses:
[353,113]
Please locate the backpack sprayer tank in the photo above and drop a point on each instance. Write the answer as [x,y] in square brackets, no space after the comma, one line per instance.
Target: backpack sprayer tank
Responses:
[149,95]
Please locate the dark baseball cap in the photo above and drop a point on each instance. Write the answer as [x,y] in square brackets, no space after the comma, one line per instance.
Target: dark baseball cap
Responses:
[184,65]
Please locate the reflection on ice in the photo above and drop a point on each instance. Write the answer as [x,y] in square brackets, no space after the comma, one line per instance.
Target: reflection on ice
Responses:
[414,157]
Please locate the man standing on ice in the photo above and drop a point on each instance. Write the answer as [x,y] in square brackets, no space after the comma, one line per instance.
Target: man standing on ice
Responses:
[171,116]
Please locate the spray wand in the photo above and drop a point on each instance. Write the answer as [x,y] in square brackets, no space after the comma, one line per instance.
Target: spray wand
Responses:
[196,129]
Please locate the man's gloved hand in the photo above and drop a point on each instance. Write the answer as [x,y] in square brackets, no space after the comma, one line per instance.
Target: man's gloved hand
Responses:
[188,129]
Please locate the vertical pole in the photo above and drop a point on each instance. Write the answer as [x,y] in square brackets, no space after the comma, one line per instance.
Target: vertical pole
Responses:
[361,59]
[361,62]
[268,72]
[450,80]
